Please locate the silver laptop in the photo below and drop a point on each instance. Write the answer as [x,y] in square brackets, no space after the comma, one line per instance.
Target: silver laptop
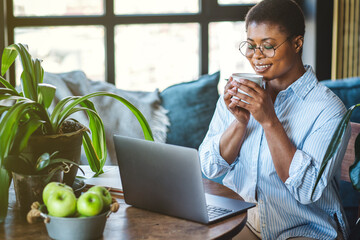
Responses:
[167,179]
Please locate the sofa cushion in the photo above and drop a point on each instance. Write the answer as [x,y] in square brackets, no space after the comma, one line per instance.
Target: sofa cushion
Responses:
[350,199]
[191,106]
[117,118]
[348,90]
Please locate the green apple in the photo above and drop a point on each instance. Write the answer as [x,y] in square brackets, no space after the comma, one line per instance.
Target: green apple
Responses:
[104,193]
[51,188]
[89,204]
[61,203]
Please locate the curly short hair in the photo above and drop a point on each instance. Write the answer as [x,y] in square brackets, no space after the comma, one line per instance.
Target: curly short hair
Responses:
[285,13]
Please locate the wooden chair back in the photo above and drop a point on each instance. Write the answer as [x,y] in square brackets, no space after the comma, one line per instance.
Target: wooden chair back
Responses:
[349,156]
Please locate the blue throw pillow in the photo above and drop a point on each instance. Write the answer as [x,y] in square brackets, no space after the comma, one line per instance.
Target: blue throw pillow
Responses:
[348,90]
[191,106]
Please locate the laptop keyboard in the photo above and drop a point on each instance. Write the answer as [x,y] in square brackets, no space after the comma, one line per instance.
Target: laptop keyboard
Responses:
[214,211]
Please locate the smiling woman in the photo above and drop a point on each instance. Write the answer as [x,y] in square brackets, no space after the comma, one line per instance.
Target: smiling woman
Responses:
[269,142]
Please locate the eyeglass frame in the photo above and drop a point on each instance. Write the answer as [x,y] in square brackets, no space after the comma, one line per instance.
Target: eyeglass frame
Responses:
[262,47]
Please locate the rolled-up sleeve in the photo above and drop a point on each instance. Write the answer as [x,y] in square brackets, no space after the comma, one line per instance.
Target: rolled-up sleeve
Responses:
[212,164]
[306,163]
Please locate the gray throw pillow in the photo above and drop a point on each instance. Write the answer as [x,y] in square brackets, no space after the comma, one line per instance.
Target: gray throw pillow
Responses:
[117,118]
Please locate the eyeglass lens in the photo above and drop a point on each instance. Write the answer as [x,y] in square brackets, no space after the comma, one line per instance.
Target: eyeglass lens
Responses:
[248,50]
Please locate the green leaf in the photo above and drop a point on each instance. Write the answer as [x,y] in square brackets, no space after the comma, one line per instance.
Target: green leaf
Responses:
[140,117]
[3,109]
[11,120]
[72,111]
[46,160]
[51,173]
[8,85]
[54,154]
[46,94]
[29,83]
[50,162]
[354,170]
[4,91]
[38,71]
[9,123]
[98,136]
[4,95]
[27,86]
[55,115]
[63,160]
[25,130]
[91,155]
[5,180]
[26,61]
[42,162]
[8,58]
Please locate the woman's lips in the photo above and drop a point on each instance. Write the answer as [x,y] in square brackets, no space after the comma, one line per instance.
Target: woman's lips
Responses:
[260,68]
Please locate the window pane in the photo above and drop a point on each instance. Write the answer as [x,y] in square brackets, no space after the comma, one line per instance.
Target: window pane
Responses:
[155,6]
[224,55]
[237,2]
[57,8]
[65,49]
[156,55]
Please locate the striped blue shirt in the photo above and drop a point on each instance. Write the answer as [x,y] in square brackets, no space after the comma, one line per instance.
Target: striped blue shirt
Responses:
[309,113]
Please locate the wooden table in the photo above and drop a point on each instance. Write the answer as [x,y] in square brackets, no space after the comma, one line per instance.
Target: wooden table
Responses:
[132,223]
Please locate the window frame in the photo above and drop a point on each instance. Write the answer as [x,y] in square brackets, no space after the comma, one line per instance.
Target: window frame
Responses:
[209,11]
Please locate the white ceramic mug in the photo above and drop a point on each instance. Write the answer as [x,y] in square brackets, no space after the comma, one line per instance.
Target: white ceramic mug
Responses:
[249,76]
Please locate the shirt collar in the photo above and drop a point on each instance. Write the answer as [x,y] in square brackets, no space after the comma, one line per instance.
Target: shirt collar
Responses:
[305,83]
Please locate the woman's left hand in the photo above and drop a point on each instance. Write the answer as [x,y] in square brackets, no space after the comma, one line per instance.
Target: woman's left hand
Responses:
[259,103]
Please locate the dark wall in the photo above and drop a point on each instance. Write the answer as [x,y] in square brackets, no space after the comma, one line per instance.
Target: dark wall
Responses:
[324,24]
[3,39]
[318,35]
[309,8]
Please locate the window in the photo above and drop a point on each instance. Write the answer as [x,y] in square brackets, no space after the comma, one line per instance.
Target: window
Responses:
[137,45]
[66,48]
[156,55]
[237,2]
[155,6]
[224,38]
[25,8]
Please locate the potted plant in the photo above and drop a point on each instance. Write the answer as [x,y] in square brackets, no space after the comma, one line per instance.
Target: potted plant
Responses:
[354,170]
[25,120]
[30,176]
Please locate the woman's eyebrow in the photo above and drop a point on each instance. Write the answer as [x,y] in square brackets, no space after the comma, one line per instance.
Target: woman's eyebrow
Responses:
[264,39]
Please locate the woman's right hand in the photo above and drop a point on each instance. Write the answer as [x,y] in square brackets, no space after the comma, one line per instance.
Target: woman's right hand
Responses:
[231,90]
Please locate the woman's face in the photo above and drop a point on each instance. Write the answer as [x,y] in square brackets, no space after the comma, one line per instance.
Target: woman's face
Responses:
[285,59]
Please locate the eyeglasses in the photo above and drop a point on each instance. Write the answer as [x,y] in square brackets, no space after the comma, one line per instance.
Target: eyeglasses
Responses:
[248,49]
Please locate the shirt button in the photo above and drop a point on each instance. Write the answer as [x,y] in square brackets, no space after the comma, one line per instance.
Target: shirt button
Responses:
[264,225]
[261,202]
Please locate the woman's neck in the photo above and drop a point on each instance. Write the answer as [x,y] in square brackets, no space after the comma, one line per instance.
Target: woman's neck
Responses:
[282,83]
